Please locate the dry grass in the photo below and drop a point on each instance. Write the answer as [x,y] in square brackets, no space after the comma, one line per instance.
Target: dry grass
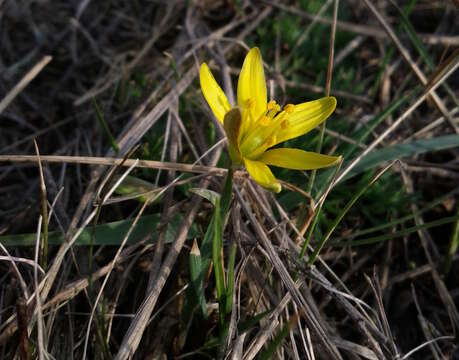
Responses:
[137,62]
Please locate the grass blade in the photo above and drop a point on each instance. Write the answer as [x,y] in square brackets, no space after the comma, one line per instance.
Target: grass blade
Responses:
[403,232]
[230,280]
[381,156]
[195,276]
[217,258]
[340,216]
[100,117]
[269,353]
[453,244]
[105,234]
[401,220]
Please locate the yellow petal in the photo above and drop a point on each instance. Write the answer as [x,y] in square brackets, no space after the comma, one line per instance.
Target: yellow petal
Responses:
[251,86]
[305,117]
[298,159]
[262,175]
[213,93]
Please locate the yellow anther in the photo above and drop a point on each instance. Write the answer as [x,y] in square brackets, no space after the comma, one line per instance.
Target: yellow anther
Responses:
[273,109]
[265,120]
[272,104]
[270,141]
[284,124]
[289,108]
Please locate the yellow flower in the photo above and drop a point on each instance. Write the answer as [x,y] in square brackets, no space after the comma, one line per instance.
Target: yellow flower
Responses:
[256,125]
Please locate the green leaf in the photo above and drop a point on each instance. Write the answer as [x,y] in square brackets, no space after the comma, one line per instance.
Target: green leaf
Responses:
[135,187]
[382,156]
[403,232]
[390,224]
[277,341]
[103,123]
[453,244]
[107,234]
[217,258]
[207,194]
[419,46]
[230,282]
[195,276]
[252,321]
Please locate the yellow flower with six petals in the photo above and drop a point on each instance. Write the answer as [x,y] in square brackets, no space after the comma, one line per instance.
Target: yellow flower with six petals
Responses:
[256,125]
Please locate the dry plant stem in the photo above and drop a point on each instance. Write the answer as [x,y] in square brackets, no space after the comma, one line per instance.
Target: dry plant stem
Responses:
[397,122]
[21,314]
[264,334]
[117,255]
[40,324]
[305,34]
[134,334]
[432,125]
[320,89]
[410,353]
[104,198]
[426,329]
[355,197]
[443,292]
[107,161]
[312,322]
[45,285]
[377,292]
[135,129]
[74,288]
[412,274]
[360,316]
[159,247]
[406,55]
[12,260]
[331,53]
[365,30]
[44,211]
[165,143]
[24,82]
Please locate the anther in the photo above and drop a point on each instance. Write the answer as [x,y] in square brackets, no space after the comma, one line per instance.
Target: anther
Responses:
[264,120]
[289,108]
[271,141]
[272,104]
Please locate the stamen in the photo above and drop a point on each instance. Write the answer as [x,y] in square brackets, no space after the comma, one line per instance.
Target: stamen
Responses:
[272,104]
[270,141]
[289,108]
[265,120]
[273,109]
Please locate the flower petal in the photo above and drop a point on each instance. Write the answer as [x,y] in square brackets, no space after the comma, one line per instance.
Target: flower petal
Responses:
[262,175]
[297,159]
[251,86]
[305,117]
[213,93]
